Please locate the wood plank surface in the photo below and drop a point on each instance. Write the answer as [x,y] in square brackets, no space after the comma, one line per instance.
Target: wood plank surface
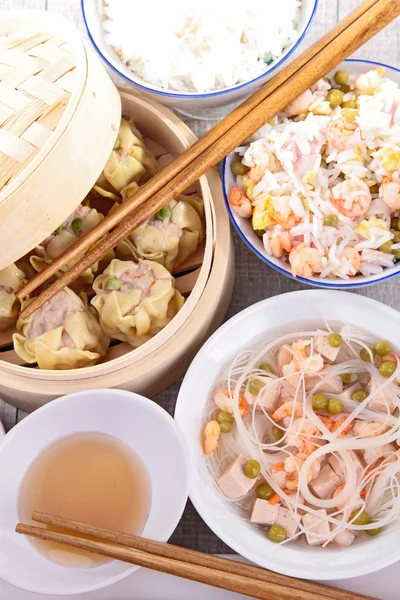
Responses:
[254,280]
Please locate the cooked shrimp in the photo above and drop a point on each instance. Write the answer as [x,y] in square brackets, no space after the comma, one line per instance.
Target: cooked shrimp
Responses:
[351,198]
[367,428]
[212,432]
[301,104]
[354,258]
[240,203]
[305,261]
[390,191]
[269,163]
[343,134]
[223,400]
[287,222]
[301,430]
[302,359]
[286,410]
[279,242]
[284,357]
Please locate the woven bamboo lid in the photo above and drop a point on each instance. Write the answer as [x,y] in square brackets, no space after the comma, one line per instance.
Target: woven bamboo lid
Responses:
[59,117]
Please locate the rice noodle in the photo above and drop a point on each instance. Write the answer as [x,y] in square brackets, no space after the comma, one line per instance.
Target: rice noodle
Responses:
[361,431]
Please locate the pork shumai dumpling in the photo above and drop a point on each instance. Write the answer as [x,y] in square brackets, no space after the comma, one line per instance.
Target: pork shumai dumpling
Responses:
[135,301]
[62,334]
[169,237]
[82,220]
[11,279]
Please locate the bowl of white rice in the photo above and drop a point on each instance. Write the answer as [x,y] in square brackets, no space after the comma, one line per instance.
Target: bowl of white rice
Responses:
[315,193]
[197,55]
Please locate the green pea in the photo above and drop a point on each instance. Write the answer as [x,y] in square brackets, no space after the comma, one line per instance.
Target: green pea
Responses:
[277,534]
[266,367]
[59,230]
[341,77]
[365,355]
[264,491]
[331,220]
[387,368]
[163,213]
[324,165]
[348,377]
[276,433]
[76,225]
[359,395]
[335,340]
[225,427]
[238,168]
[394,223]
[386,247]
[396,236]
[224,417]
[362,519]
[260,233]
[349,114]
[345,88]
[373,532]
[349,104]
[383,347]
[374,189]
[252,469]
[334,406]
[335,97]
[255,386]
[113,284]
[319,402]
[396,254]
[117,143]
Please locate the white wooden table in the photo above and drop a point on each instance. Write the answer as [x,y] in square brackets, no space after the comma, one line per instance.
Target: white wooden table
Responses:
[254,280]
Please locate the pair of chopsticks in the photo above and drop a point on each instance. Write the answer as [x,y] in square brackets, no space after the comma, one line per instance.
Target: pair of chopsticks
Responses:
[322,57]
[182,562]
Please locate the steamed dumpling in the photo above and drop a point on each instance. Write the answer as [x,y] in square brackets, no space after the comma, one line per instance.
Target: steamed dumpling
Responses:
[11,279]
[82,220]
[170,236]
[62,334]
[135,301]
[130,163]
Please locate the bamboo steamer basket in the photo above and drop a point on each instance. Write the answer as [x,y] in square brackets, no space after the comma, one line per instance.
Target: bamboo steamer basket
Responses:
[206,278]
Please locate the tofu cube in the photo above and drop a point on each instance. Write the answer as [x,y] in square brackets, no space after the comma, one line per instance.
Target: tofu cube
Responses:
[322,346]
[264,513]
[317,525]
[234,482]
[383,401]
[333,385]
[338,466]
[326,482]
[269,397]
[285,519]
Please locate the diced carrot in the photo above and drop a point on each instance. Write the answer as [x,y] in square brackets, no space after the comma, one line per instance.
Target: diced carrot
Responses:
[243,405]
[275,499]
[363,493]
[279,466]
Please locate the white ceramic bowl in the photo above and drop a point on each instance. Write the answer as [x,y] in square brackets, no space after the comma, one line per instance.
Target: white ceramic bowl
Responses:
[286,312]
[250,238]
[135,420]
[92,15]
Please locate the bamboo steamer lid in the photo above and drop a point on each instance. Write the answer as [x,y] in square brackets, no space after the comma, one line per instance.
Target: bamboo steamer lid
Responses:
[59,117]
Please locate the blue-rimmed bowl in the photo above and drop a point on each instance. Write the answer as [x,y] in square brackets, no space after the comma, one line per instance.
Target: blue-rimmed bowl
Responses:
[250,238]
[92,15]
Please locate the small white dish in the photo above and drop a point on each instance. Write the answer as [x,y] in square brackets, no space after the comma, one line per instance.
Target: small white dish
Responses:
[249,236]
[92,16]
[284,313]
[144,426]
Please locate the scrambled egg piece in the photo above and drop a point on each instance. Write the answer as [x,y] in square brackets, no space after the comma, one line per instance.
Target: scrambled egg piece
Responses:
[262,214]
[323,108]
[390,159]
[364,227]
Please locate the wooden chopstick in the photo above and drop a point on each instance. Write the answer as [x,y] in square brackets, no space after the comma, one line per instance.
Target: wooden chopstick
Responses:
[375,18]
[192,556]
[176,563]
[182,161]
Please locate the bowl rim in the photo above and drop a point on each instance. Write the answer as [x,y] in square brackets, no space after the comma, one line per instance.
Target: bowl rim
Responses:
[338,284]
[148,404]
[197,95]
[213,522]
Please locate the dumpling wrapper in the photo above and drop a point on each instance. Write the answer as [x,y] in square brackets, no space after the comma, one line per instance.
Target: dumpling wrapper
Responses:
[136,314]
[171,241]
[60,241]
[11,279]
[62,334]
[130,162]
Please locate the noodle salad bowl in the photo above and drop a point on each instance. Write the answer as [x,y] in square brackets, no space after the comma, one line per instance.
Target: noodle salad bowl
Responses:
[224,64]
[320,180]
[229,499]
